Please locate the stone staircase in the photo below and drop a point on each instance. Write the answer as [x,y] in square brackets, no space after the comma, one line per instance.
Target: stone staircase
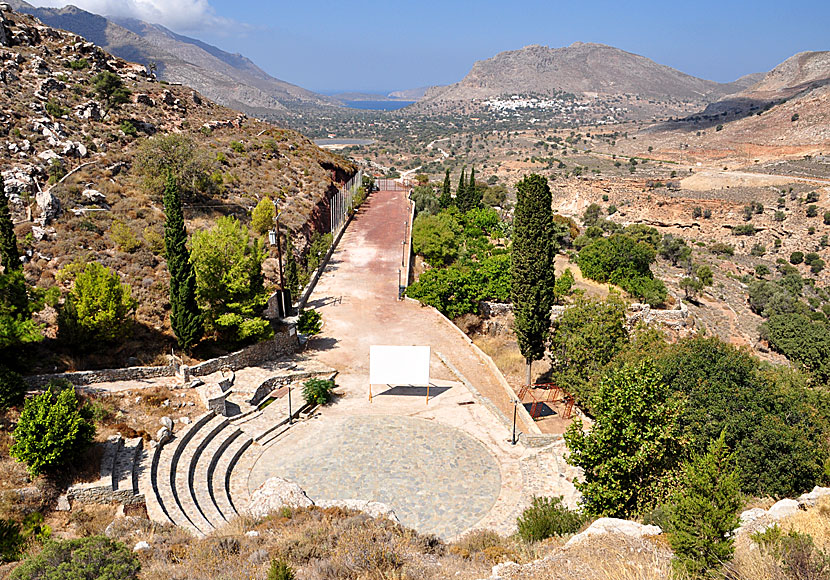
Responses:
[119,474]
[190,480]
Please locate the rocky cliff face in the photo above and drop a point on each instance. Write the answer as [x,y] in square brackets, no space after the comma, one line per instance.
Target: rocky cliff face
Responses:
[229,79]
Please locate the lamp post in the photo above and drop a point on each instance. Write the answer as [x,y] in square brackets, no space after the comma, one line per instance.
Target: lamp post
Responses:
[276,238]
[290,417]
[515,405]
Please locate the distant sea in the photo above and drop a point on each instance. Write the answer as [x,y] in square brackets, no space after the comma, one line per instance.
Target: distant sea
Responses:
[378,105]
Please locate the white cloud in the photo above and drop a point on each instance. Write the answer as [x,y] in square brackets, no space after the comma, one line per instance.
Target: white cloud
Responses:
[178,15]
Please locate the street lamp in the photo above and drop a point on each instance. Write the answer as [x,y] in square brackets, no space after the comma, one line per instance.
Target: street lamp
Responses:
[274,237]
[515,405]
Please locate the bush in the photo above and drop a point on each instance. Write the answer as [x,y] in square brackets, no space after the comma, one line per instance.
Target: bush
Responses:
[705,511]
[812,211]
[621,260]
[123,237]
[262,216]
[11,541]
[317,391]
[310,322]
[827,218]
[280,570]
[53,429]
[450,290]
[758,250]
[796,257]
[721,249]
[547,517]
[744,230]
[434,238]
[12,388]
[98,309]
[95,557]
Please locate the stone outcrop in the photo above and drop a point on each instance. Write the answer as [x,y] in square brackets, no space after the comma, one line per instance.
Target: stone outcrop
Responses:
[604,526]
[274,494]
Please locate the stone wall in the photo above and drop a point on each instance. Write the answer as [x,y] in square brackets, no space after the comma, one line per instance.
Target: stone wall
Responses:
[80,378]
[676,319]
[102,495]
[282,344]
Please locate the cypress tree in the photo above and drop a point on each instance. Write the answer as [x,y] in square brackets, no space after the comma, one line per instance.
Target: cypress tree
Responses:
[445,200]
[472,199]
[185,317]
[705,511]
[9,256]
[532,266]
[292,278]
[461,191]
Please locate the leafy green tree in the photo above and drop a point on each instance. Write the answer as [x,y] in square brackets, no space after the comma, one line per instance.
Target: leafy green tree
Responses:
[292,277]
[445,200]
[262,216]
[229,280]
[98,308]
[425,200]
[592,215]
[585,338]
[773,433]
[700,278]
[434,238]
[179,155]
[532,267]
[9,255]
[675,250]
[704,511]
[621,260]
[450,290]
[802,340]
[185,316]
[110,88]
[96,557]
[53,429]
[632,445]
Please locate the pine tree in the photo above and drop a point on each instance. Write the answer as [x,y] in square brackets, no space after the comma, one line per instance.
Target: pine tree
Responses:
[185,317]
[532,266]
[292,278]
[705,511]
[8,242]
[445,200]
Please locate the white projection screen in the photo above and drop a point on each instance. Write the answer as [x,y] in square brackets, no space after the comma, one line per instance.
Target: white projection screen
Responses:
[399,365]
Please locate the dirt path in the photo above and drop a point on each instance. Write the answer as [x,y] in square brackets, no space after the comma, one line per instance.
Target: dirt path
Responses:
[357,296]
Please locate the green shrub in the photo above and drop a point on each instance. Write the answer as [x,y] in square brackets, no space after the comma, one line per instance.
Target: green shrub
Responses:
[12,388]
[317,391]
[812,211]
[53,109]
[79,64]
[547,517]
[758,250]
[128,128]
[280,570]
[796,257]
[96,557]
[11,541]
[98,309]
[53,429]
[262,216]
[434,238]
[123,237]
[310,322]
[721,249]
[705,511]
[744,230]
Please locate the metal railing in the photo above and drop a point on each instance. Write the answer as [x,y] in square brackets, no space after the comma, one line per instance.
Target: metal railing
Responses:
[341,203]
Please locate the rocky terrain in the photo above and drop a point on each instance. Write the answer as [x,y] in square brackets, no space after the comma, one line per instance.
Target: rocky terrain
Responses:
[72,168]
[229,79]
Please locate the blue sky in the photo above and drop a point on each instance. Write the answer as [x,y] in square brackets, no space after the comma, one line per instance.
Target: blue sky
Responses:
[372,45]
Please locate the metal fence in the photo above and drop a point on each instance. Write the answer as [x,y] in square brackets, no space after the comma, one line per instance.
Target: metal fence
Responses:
[391,185]
[342,201]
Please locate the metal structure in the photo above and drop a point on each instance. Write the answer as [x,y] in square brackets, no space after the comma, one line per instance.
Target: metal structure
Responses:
[554,393]
[341,204]
[391,185]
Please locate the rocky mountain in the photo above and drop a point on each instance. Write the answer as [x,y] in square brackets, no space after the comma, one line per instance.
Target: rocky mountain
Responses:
[581,69]
[229,79]
[81,173]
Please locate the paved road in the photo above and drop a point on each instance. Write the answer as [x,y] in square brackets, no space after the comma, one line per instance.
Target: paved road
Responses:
[364,274]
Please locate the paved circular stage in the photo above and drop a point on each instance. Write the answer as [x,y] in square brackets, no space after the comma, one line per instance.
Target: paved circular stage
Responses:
[436,478]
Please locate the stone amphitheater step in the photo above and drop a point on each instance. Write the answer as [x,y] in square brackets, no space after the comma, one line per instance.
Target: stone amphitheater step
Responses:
[222,473]
[164,470]
[202,474]
[125,471]
[238,477]
[146,469]
[111,449]
[183,480]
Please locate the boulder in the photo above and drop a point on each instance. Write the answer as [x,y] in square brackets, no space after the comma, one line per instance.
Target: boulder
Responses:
[374,509]
[50,207]
[810,499]
[163,435]
[605,526]
[751,515]
[275,493]
[167,422]
[783,509]
[259,557]
[93,196]
[63,504]
[141,546]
